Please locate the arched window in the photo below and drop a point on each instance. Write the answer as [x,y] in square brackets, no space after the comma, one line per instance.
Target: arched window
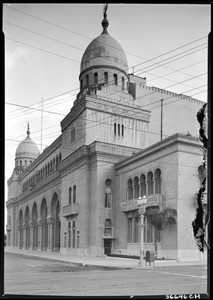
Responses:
[81,84]
[130,190]
[122,130]
[70,196]
[54,164]
[136,187]
[105,77]
[56,161]
[114,128]
[119,126]
[74,194]
[115,79]
[60,156]
[96,78]
[143,185]
[51,166]
[108,193]
[20,163]
[87,80]
[123,83]
[158,181]
[150,183]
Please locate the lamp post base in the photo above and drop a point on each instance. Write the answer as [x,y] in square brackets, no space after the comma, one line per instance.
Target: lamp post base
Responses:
[141,264]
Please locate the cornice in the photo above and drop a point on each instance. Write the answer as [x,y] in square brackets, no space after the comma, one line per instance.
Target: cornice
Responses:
[42,186]
[101,67]
[168,142]
[45,154]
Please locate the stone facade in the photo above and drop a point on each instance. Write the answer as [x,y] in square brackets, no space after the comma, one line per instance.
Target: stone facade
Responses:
[80,196]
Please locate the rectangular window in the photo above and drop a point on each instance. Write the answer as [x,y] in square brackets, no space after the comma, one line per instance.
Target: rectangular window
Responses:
[149,232]
[119,129]
[129,230]
[114,128]
[136,230]
[108,200]
[78,241]
[122,130]
[73,135]
[73,234]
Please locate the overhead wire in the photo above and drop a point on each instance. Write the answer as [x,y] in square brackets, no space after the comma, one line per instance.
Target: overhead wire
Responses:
[177,54]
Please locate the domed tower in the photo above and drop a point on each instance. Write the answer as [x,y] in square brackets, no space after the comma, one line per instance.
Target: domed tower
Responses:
[104,63]
[26,152]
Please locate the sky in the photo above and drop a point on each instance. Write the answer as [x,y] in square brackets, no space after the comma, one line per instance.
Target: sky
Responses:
[44,44]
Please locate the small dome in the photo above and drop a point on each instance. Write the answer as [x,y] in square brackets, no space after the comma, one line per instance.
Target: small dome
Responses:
[27,148]
[104,51]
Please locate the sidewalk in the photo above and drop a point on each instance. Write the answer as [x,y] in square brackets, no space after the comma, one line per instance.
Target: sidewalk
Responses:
[106,261]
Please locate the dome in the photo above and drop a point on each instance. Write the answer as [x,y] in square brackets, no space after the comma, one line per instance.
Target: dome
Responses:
[27,148]
[104,51]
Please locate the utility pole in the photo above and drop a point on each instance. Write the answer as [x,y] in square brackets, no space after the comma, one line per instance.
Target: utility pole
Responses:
[161,123]
[41,121]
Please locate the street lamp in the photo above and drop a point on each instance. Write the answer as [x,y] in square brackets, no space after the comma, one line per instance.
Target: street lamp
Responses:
[142,209]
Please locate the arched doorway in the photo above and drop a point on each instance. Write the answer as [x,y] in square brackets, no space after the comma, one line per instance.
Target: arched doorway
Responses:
[20,229]
[44,240]
[55,212]
[27,228]
[35,226]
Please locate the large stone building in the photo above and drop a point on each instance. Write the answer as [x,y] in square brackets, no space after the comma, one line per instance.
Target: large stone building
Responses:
[80,195]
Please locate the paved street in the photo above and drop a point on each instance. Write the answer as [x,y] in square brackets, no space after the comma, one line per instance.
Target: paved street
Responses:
[41,276]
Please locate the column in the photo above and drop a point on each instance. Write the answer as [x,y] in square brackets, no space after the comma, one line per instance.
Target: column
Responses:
[40,225]
[24,228]
[31,242]
[50,223]
[18,236]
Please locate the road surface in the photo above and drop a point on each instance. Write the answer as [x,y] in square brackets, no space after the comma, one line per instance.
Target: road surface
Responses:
[35,276]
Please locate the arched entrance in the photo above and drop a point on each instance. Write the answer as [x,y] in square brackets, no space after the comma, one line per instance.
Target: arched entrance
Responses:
[55,212]
[20,229]
[44,240]
[27,228]
[35,226]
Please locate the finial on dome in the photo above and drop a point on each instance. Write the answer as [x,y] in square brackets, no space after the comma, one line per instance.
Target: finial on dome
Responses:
[105,22]
[28,129]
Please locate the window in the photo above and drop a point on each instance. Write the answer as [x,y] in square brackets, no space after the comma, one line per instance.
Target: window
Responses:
[70,196]
[72,135]
[129,230]
[158,181]
[115,79]
[130,190]
[105,77]
[119,129]
[69,235]
[115,128]
[87,80]
[136,187]
[25,163]
[96,78]
[143,185]
[123,83]
[136,229]
[150,183]
[20,163]
[122,130]
[73,234]
[74,194]
[108,193]
[81,84]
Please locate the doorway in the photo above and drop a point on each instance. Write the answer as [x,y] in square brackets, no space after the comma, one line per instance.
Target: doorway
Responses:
[107,246]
